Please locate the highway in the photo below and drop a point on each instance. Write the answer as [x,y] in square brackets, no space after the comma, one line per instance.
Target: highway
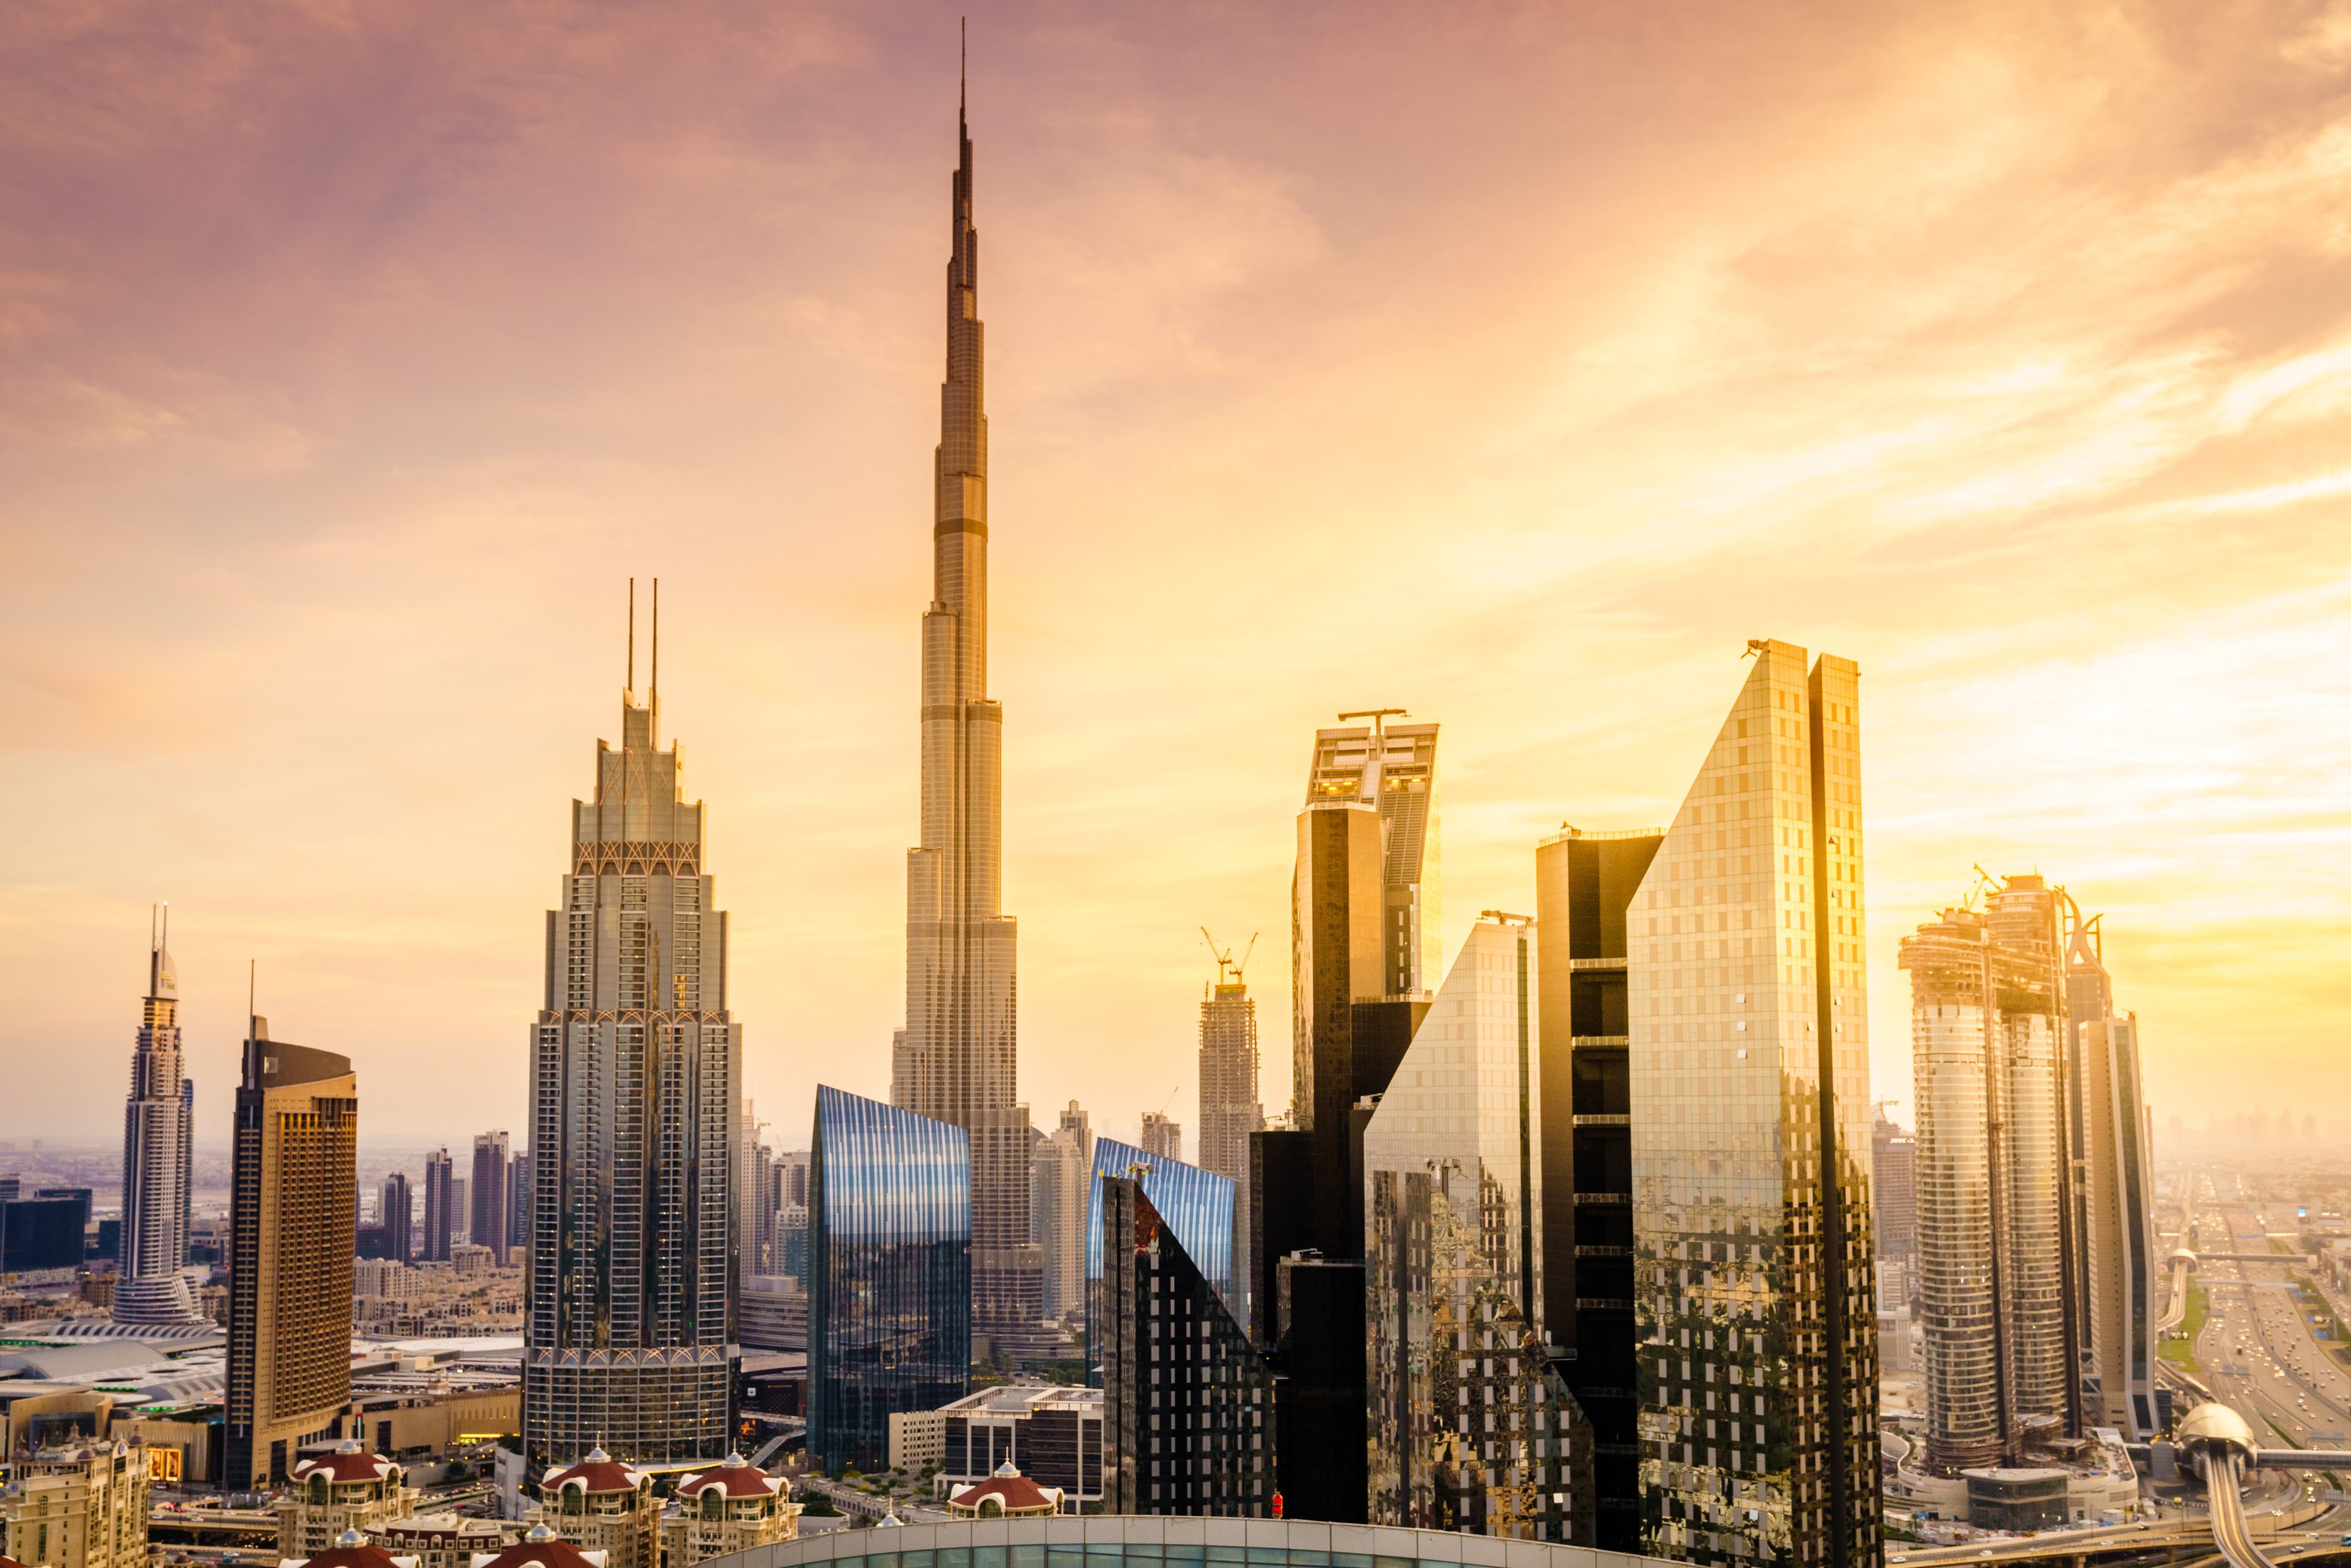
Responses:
[2256,1348]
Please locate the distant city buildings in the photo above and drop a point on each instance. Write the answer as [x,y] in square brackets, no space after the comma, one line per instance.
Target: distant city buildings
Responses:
[293,1214]
[158,1120]
[440,1207]
[1162,1138]
[1755,1301]
[396,1218]
[889,1281]
[1893,1165]
[629,1336]
[1059,1203]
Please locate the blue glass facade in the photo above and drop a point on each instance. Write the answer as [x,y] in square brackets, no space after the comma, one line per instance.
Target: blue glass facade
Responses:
[1193,1203]
[889,1273]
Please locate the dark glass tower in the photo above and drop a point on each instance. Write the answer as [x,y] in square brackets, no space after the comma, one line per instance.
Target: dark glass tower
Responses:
[1186,1399]
[889,1273]
[1196,1205]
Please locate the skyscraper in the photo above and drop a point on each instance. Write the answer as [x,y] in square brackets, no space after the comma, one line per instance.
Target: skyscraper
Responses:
[1584,885]
[1392,769]
[1755,1296]
[958,1059]
[440,1207]
[1989,1030]
[1229,1109]
[486,1195]
[1894,1165]
[1162,1136]
[150,1288]
[636,1088]
[889,1273]
[1454,1263]
[2119,1238]
[518,1202]
[294,1210]
[396,1215]
[1058,1209]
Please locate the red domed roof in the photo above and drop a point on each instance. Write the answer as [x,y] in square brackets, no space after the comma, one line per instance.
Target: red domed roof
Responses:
[1010,1490]
[736,1476]
[599,1472]
[347,1462]
[542,1548]
[352,1549]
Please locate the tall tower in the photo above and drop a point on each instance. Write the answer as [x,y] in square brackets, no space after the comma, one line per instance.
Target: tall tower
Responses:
[293,1217]
[155,1123]
[1230,1110]
[1754,1286]
[1392,767]
[959,1062]
[486,1195]
[636,1085]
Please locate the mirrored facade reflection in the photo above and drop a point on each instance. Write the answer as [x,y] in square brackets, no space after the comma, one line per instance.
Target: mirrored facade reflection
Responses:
[1755,1282]
[1195,1205]
[889,1281]
[1468,1428]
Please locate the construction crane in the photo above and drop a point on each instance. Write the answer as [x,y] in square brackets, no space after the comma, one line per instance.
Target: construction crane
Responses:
[1224,958]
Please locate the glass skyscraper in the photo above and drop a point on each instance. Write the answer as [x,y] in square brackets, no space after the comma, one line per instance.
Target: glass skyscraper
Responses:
[1753,1276]
[1194,1204]
[1471,1428]
[636,1072]
[889,1273]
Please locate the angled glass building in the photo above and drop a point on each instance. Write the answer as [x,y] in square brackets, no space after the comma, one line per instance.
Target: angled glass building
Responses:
[889,1273]
[1196,1205]
[1470,1427]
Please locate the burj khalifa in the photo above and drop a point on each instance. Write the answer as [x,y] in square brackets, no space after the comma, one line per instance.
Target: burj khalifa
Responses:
[957,1060]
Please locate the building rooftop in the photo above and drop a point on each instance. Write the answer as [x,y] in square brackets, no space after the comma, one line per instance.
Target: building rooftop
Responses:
[599,1472]
[540,1548]
[734,1475]
[1021,1398]
[347,1461]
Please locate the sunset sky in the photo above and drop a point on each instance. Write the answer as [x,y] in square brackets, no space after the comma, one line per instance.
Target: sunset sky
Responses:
[1513,366]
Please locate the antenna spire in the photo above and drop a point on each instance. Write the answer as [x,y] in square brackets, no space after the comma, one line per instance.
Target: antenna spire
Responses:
[654,696]
[963,66]
[632,638]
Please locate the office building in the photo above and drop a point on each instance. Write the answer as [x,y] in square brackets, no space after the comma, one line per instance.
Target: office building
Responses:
[1049,1433]
[636,1068]
[1470,1427]
[604,1508]
[889,1281]
[1198,1206]
[440,1207]
[1989,1027]
[1894,1186]
[1584,883]
[396,1218]
[958,1059]
[1392,767]
[39,1233]
[149,1285]
[1058,1202]
[1162,1138]
[1755,1306]
[1187,1402]
[730,1506]
[486,1195]
[792,1226]
[293,1210]
[82,1505]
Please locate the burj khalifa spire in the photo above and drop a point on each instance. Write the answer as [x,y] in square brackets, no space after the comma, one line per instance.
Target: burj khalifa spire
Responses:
[957,1060]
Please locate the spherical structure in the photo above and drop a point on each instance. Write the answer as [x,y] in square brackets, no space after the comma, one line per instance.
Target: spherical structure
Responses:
[2212,1429]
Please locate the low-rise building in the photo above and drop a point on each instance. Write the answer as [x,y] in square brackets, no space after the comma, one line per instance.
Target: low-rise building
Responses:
[733,1506]
[446,1540]
[351,1549]
[1049,1432]
[342,1489]
[540,1547]
[601,1505]
[1006,1494]
[79,1507]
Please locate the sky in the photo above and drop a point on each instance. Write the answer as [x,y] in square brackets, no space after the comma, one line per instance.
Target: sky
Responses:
[1511,365]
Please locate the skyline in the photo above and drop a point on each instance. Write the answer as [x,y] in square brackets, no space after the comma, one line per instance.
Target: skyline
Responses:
[333,749]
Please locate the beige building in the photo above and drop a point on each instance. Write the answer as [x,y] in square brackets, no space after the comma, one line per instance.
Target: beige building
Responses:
[446,1540]
[81,1507]
[601,1505]
[733,1506]
[345,1489]
[294,1211]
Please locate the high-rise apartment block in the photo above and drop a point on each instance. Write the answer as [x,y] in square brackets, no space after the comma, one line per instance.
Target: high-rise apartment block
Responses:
[1755,1310]
[1893,1165]
[1187,1420]
[636,1089]
[518,1203]
[396,1218]
[889,1280]
[293,1212]
[1058,1206]
[157,1119]
[440,1207]
[1584,883]
[2118,1188]
[488,1196]
[958,1060]
[1471,1427]
[82,1505]
[1162,1138]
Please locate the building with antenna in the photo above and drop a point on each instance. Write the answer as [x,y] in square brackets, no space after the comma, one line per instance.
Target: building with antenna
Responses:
[636,1078]
[1229,1109]
[151,1287]
[958,1059]
[1392,767]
